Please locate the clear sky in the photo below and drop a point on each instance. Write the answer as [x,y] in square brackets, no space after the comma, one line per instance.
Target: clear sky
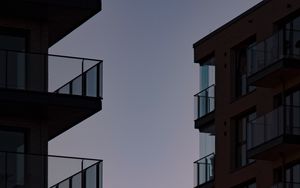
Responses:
[144,132]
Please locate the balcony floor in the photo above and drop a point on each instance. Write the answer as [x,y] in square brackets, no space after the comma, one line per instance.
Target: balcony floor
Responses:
[205,123]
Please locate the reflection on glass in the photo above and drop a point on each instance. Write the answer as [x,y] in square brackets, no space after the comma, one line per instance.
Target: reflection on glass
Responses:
[77,86]
[65,184]
[91,82]
[91,177]
[65,89]
[76,181]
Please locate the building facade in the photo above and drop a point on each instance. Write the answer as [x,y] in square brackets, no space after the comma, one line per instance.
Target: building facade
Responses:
[249,100]
[44,95]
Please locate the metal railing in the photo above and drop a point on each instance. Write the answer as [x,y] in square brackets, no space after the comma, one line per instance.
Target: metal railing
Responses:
[284,120]
[286,185]
[204,102]
[204,170]
[284,43]
[51,73]
[42,171]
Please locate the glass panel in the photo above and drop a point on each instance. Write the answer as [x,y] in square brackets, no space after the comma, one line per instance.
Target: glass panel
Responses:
[100,166]
[91,82]
[64,184]
[296,174]
[91,175]
[76,181]
[77,86]
[65,89]
[16,70]
[15,170]
[100,80]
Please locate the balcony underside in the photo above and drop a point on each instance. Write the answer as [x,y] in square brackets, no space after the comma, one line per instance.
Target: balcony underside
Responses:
[209,184]
[59,112]
[275,148]
[62,16]
[205,124]
[282,70]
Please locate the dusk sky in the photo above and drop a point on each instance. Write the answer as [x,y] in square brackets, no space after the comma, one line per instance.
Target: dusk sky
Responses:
[145,132]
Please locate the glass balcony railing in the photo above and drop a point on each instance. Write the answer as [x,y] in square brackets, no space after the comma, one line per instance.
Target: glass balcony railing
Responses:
[284,120]
[204,102]
[204,170]
[50,73]
[286,185]
[284,43]
[48,171]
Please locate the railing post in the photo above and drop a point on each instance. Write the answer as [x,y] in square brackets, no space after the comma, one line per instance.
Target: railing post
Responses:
[6,69]
[98,79]
[206,102]
[206,170]
[97,176]
[198,173]
[5,159]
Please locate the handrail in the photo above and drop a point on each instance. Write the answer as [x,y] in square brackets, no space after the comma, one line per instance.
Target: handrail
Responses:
[53,55]
[212,154]
[49,155]
[213,85]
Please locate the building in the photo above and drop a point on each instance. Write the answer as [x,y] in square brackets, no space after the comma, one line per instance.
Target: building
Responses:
[43,95]
[249,99]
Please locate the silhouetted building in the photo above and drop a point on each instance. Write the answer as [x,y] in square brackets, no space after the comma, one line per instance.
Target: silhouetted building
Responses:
[250,100]
[43,95]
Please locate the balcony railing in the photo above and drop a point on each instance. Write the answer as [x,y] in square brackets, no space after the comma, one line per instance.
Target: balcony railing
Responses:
[204,170]
[284,43]
[286,185]
[50,73]
[204,102]
[284,120]
[42,171]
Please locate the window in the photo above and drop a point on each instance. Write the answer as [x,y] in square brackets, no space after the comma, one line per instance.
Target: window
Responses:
[12,59]
[240,140]
[240,56]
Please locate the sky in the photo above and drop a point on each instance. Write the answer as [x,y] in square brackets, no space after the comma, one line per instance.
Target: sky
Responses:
[145,132]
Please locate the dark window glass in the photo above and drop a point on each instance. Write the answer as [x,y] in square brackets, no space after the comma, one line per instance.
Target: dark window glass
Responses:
[240,57]
[240,140]
[12,63]
[13,163]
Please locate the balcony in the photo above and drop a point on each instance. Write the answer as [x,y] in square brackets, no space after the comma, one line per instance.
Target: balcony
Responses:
[275,59]
[275,133]
[204,172]
[37,171]
[60,89]
[204,102]
[286,185]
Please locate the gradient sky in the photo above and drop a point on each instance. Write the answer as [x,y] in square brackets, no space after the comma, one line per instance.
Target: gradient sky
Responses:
[144,132]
